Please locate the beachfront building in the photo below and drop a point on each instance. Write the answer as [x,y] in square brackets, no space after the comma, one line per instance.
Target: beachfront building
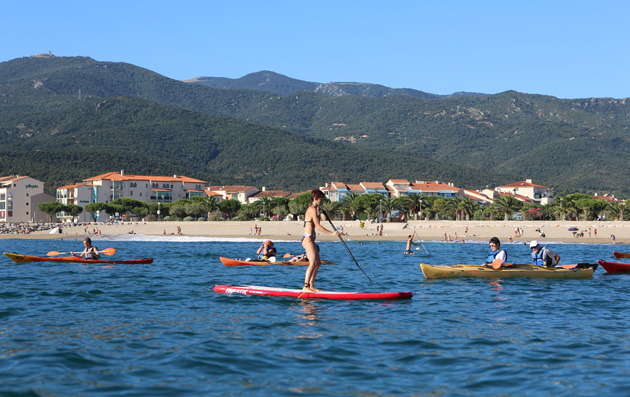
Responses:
[237,192]
[79,194]
[401,187]
[264,193]
[337,191]
[538,194]
[19,198]
[479,197]
[437,188]
[150,189]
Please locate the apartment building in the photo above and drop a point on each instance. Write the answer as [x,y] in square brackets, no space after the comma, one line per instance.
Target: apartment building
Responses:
[19,198]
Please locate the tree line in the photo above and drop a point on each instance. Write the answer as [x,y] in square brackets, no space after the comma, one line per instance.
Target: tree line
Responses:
[575,206]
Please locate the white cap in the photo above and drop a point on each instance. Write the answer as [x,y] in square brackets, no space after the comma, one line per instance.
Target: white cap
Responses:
[533,244]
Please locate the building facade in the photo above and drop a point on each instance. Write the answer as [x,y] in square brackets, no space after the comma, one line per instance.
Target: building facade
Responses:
[150,189]
[19,198]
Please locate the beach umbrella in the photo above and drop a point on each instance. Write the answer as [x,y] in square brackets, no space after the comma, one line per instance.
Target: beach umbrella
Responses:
[573,229]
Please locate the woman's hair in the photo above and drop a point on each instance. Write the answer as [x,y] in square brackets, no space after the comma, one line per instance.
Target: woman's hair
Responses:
[89,240]
[316,194]
[496,241]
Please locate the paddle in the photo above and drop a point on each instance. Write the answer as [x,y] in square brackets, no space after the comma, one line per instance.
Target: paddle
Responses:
[414,234]
[496,263]
[344,244]
[287,255]
[106,251]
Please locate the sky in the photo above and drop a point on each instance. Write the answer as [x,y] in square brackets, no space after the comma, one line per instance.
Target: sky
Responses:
[566,49]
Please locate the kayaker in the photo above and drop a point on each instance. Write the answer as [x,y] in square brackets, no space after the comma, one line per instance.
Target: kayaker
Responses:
[543,256]
[496,253]
[266,251]
[311,222]
[89,252]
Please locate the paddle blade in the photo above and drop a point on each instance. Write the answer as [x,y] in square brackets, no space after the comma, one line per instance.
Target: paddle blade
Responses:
[287,255]
[497,263]
[108,251]
[568,266]
[53,253]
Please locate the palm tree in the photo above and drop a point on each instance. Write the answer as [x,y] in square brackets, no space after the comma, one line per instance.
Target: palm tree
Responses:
[350,204]
[388,205]
[266,206]
[209,205]
[466,207]
[507,205]
[415,204]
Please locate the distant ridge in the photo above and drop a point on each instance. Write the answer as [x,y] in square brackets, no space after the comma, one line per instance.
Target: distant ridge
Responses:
[280,84]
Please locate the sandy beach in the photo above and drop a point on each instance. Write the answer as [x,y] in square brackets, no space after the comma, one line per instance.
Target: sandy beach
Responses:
[557,231]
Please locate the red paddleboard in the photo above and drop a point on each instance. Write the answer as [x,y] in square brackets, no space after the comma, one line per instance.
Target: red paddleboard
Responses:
[620,255]
[297,293]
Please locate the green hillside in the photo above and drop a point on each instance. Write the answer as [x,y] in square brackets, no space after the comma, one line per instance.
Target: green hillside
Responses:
[571,145]
[142,137]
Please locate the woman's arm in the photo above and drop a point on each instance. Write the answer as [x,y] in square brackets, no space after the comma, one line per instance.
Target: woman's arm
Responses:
[318,225]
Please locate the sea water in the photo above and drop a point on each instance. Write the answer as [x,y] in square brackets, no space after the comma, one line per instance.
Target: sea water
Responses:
[70,329]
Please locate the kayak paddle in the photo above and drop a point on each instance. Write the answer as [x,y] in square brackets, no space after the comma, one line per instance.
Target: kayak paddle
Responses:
[344,244]
[414,234]
[106,251]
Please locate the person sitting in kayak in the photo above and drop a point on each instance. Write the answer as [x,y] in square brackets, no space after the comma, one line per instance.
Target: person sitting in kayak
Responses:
[298,258]
[496,254]
[89,252]
[266,251]
[543,256]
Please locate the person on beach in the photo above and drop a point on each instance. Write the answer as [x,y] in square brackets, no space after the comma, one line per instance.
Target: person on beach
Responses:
[266,250]
[496,254]
[89,252]
[311,222]
[409,243]
[543,256]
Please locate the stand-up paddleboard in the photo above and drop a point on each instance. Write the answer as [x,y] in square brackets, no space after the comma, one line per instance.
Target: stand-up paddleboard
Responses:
[297,293]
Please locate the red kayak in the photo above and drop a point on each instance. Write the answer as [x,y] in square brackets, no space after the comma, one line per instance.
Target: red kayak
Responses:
[17,258]
[620,255]
[297,293]
[615,267]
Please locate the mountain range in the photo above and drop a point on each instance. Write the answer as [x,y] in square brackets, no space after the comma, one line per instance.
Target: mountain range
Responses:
[63,119]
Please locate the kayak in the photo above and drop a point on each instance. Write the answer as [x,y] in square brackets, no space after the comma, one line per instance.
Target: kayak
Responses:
[615,267]
[297,293]
[581,270]
[620,255]
[17,258]
[238,262]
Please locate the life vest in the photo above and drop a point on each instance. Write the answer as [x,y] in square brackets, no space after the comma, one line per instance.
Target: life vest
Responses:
[90,253]
[493,254]
[537,259]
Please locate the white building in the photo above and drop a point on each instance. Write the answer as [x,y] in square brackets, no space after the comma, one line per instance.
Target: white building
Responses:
[19,198]
[150,189]
[539,194]
[79,194]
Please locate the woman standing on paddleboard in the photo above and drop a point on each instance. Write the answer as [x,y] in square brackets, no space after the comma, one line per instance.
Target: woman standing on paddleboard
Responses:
[311,222]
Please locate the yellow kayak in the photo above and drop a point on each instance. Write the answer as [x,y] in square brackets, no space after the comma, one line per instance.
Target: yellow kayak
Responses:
[582,270]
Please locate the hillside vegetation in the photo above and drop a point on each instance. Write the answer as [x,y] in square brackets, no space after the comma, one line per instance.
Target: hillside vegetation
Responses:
[83,110]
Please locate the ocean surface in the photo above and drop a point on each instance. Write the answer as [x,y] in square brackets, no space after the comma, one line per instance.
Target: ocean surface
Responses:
[69,329]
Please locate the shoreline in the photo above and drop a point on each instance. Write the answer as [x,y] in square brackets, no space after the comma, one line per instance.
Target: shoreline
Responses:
[555,231]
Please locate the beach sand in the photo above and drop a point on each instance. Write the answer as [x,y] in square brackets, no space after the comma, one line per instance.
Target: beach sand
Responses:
[600,232]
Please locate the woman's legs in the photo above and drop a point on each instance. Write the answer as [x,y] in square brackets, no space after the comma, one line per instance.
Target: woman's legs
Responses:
[312,253]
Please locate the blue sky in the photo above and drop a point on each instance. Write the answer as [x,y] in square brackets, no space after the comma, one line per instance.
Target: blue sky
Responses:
[567,49]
